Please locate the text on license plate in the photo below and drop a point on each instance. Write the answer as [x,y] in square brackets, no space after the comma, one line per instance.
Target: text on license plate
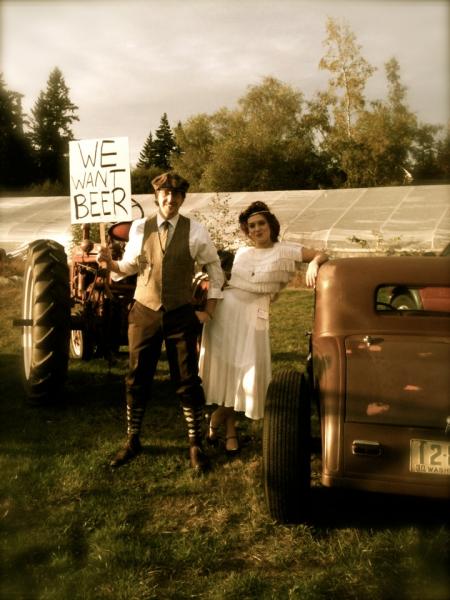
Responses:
[430,456]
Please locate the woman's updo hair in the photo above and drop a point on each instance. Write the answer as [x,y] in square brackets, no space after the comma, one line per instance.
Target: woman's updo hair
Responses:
[256,208]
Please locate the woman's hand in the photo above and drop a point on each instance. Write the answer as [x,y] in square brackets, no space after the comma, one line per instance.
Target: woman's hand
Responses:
[207,314]
[314,260]
[203,316]
[311,273]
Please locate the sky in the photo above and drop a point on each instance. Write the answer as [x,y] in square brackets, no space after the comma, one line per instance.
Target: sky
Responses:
[126,62]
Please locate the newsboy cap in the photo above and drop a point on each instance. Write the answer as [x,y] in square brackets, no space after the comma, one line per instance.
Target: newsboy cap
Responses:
[170,181]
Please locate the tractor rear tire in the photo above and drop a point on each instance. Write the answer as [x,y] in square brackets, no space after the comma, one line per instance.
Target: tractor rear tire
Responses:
[46,303]
[287,447]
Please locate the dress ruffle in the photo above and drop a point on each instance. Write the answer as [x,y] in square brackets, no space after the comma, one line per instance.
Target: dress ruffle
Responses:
[265,270]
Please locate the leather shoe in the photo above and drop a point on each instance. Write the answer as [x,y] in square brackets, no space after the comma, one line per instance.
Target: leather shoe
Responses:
[212,437]
[131,449]
[232,451]
[199,460]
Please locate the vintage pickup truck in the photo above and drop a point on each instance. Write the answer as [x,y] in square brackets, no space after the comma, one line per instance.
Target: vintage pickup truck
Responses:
[378,374]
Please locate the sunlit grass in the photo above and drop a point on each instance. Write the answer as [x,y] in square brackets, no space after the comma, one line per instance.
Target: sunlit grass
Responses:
[72,528]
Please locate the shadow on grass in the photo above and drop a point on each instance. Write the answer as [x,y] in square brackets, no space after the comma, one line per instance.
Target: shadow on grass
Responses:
[293,357]
[20,568]
[11,375]
[335,508]
[91,404]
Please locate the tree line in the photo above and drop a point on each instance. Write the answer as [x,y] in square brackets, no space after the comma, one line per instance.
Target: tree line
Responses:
[34,149]
[274,139]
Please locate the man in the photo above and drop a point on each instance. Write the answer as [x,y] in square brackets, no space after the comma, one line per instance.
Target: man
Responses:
[162,250]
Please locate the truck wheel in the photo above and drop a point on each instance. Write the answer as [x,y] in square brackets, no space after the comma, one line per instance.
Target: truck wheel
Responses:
[287,446]
[46,302]
[404,298]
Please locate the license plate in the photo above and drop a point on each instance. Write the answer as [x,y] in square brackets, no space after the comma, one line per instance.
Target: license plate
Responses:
[430,456]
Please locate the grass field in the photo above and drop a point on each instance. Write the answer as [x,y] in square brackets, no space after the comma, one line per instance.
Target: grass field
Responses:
[73,529]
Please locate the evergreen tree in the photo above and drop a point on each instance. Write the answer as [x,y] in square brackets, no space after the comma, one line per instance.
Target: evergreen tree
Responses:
[15,150]
[146,156]
[52,117]
[163,145]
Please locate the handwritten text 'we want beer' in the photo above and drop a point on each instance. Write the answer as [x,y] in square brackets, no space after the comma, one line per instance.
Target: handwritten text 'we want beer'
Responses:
[100,170]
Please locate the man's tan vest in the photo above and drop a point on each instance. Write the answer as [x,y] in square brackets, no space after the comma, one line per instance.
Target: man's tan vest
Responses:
[165,278]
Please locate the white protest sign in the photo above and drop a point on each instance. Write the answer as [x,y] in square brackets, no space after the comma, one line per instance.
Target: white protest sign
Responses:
[100,184]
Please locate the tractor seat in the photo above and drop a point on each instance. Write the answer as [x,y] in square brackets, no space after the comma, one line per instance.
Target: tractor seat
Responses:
[119,232]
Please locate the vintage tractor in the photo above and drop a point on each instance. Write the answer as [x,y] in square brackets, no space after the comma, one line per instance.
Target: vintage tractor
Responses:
[70,308]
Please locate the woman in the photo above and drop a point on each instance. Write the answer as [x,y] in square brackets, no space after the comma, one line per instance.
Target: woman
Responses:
[235,363]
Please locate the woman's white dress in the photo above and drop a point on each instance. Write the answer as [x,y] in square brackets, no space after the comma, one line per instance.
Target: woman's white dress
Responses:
[235,361]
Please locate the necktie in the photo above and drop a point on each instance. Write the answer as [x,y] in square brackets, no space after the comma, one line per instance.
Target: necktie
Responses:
[163,234]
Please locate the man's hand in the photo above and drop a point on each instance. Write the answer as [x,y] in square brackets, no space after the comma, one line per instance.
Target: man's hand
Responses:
[104,256]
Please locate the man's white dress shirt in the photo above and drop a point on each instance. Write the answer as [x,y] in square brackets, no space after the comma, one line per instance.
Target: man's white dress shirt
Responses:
[200,246]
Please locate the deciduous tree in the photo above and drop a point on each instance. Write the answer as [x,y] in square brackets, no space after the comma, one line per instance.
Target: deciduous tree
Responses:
[345,98]
[263,144]
[443,155]
[426,155]
[349,74]
[391,135]
[195,140]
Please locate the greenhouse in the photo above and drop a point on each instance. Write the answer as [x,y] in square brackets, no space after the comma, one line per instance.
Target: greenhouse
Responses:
[342,221]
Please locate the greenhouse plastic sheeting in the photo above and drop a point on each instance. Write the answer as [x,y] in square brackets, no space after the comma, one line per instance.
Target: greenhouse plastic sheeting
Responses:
[343,220]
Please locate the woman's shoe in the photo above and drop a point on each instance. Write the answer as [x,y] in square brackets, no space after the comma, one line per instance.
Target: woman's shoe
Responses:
[232,451]
[212,437]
